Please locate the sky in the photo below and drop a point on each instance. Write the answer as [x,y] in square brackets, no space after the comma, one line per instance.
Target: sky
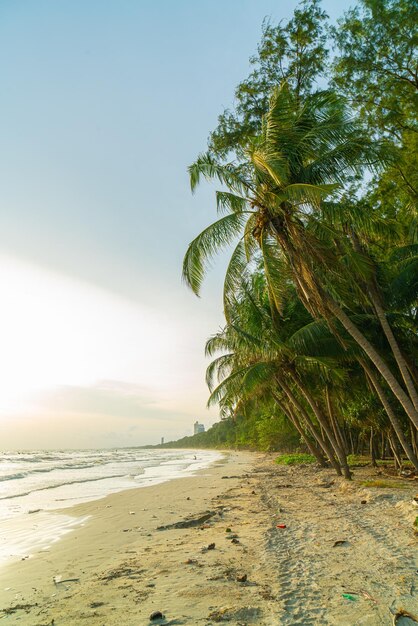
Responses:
[104,105]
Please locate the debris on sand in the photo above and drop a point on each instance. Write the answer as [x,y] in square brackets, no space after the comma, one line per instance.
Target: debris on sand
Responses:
[59,580]
[18,607]
[156,615]
[190,522]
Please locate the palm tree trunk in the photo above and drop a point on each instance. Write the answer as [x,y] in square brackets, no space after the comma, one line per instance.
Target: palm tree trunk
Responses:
[383,448]
[311,428]
[318,302]
[372,449]
[325,425]
[313,449]
[370,373]
[334,421]
[375,299]
[375,357]
[403,367]
[351,441]
[395,451]
[413,439]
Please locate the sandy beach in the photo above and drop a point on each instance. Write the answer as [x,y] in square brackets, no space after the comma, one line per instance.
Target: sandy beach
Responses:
[223,554]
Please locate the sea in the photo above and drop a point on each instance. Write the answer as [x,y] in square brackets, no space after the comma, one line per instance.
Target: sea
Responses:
[37,487]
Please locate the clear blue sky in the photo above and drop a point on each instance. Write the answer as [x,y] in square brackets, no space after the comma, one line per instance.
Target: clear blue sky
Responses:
[104,104]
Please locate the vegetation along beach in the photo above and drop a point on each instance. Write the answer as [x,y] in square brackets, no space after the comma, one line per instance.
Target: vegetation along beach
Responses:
[299,505]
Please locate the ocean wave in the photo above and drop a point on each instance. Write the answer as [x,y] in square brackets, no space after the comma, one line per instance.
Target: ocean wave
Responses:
[13,476]
[63,467]
[64,484]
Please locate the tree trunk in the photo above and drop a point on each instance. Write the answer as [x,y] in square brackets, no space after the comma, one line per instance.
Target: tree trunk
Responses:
[291,415]
[351,441]
[376,300]
[383,450]
[334,421]
[375,357]
[372,452]
[396,456]
[397,427]
[325,425]
[318,302]
[311,428]
[403,368]
[413,439]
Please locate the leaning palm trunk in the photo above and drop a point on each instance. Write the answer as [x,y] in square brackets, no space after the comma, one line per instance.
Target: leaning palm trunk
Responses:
[291,415]
[376,301]
[413,439]
[395,450]
[334,422]
[323,443]
[371,374]
[319,303]
[375,357]
[403,368]
[324,425]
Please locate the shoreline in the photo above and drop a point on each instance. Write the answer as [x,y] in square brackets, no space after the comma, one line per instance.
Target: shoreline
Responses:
[118,568]
[31,521]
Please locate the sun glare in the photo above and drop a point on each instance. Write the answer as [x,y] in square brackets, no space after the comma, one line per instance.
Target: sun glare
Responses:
[57,331]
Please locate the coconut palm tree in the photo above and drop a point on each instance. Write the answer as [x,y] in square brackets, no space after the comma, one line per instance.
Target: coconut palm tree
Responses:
[311,340]
[256,360]
[307,151]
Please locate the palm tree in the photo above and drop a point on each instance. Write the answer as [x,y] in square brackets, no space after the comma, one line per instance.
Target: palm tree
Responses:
[306,152]
[256,360]
[313,338]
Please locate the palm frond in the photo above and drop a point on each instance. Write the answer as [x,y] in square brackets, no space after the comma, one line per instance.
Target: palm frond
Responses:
[219,368]
[227,174]
[206,245]
[233,277]
[227,202]
[274,270]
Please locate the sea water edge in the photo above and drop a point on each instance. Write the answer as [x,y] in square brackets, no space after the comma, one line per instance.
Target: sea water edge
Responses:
[35,486]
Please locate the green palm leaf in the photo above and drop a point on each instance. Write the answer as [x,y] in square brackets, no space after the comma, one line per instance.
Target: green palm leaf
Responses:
[206,245]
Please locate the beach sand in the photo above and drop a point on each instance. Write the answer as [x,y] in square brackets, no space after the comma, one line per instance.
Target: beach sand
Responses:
[118,568]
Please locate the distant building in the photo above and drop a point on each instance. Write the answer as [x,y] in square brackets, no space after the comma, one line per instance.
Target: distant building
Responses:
[162,440]
[198,428]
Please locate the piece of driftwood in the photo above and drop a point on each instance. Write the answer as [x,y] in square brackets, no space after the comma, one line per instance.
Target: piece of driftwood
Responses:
[190,522]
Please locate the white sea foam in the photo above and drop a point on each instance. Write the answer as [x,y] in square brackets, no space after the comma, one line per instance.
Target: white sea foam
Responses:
[48,481]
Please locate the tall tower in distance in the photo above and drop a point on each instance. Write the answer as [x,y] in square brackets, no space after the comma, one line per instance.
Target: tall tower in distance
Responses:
[198,428]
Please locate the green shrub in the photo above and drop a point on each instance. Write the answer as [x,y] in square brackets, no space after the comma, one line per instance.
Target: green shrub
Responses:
[295,459]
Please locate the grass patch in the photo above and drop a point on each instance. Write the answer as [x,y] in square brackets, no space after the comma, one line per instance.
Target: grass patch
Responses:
[355,460]
[295,459]
[383,484]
